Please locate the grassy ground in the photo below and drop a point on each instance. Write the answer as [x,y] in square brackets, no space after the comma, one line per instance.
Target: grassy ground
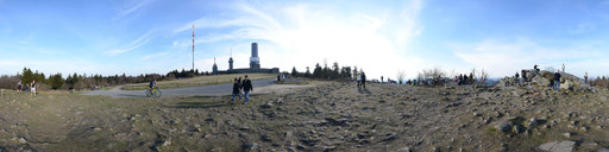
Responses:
[332,116]
[198,81]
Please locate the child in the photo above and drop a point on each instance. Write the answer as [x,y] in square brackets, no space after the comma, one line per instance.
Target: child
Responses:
[236,90]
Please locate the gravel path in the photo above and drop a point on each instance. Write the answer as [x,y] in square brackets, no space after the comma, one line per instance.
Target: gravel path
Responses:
[212,90]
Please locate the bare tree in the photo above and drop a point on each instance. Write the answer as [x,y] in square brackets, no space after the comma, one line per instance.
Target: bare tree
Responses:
[401,75]
[436,75]
[483,76]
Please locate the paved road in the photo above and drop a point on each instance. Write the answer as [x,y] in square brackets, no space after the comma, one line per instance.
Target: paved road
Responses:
[212,90]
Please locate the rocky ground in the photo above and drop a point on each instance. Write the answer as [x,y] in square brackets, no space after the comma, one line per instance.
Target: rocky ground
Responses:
[332,116]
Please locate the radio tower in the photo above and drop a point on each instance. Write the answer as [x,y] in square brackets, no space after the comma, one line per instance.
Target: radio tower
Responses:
[193,47]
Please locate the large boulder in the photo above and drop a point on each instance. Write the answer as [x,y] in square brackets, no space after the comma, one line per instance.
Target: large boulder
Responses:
[545,78]
[541,81]
[567,84]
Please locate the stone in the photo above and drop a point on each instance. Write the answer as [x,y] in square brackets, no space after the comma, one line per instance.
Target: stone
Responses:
[249,146]
[518,129]
[329,148]
[567,85]
[166,143]
[267,105]
[504,126]
[265,138]
[540,81]
[477,114]
[562,146]
[209,119]
[534,122]
[244,128]
[390,137]
[336,122]
[603,150]
[22,140]
[568,134]
[405,149]
[435,149]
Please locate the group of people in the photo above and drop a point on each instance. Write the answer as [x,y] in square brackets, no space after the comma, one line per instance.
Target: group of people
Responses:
[361,80]
[463,79]
[31,87]
[242,86]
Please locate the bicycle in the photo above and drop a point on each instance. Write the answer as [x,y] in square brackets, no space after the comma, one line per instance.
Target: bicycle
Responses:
[154,92]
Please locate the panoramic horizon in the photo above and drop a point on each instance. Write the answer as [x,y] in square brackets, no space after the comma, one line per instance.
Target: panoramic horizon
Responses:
[401,76]
[382,37]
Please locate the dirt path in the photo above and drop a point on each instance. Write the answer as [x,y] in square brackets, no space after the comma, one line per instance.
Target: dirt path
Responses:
[265,86]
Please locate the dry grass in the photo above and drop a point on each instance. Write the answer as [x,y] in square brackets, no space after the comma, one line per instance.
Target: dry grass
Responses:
[198,81]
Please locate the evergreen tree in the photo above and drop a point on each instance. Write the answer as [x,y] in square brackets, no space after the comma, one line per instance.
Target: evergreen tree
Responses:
[27,76]
[294,72]
[335,71]
[55,81]
[317,71]
[308,73]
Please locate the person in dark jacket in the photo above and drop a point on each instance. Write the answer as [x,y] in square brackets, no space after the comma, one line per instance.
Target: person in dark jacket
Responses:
[557,81]
[364,80]
[247,88]
[236,90]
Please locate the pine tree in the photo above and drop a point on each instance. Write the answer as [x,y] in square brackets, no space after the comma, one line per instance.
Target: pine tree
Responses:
[294,72]
[56,81]
[308,73]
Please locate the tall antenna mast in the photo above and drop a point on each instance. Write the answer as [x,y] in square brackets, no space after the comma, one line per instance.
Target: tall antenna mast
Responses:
[193,47]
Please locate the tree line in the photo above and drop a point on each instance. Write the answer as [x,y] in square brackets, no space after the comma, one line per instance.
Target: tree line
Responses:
[335,72]
[84,81]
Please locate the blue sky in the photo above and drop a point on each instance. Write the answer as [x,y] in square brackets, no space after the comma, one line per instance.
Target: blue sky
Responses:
[382,37]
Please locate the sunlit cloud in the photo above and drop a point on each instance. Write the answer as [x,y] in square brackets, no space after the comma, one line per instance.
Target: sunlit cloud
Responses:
[140,41]
[301,35]
[132,7]
[501,58]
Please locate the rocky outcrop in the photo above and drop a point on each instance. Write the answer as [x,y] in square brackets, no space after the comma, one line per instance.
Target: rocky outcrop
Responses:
[543,79]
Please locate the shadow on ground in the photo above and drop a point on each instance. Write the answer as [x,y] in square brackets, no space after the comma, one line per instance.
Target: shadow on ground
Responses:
[364,91]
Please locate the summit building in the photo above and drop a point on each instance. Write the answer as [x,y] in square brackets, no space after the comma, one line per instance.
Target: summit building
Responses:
[254,65]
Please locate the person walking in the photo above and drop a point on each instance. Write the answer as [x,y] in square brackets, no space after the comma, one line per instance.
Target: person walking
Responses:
[358,79]
[586,78]
[557,81]
[236,90]
[363,80]
[19,86]
[240,86]
[247,88]
[33,88]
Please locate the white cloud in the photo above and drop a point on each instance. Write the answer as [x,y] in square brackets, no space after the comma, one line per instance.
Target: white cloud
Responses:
[132,7]
[140,41]
[505,58]
[304,34]
[155,55]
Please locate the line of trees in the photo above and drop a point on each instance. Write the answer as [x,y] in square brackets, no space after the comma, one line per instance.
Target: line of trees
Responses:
[82,81]
[327,73]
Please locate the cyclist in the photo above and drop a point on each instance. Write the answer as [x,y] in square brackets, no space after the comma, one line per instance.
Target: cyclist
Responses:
[152,85]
